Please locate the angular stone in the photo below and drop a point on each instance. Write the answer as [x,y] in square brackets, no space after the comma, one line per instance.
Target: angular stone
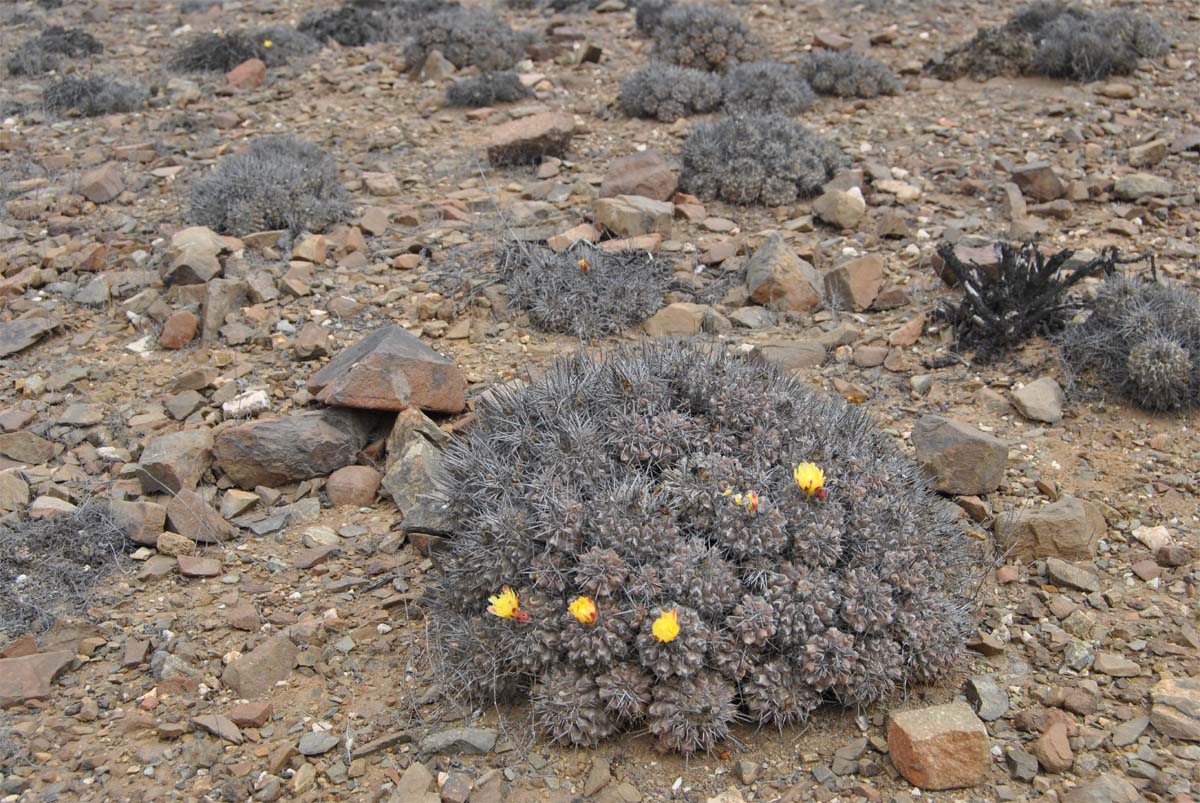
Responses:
[1068,529]
[175,461]
[312,342]
[29,677]
[856,283]
[256,673]
[777,278]
[1115,665]
[179,330]
[1039,181]
[959,458]
[841,208]
[25,447]
[791,356]
[102,184]
[390,369]
[142,522]
[174,544]
[251,715]
[193,265]
[412,466]
[1040,400]
[634,215]
[316,743]
[14,492]
[1108,788]
[193,518]
[989,699]
[247,75]
[20,334]
[277,451]
[681,319]
[457,741]
[193,566]
[353,485]
[941,747]
[414,783]
[645,173]
[1053,748]
[1064,574]
[1176,709]
[220,726]
[1141,185]
[528,140]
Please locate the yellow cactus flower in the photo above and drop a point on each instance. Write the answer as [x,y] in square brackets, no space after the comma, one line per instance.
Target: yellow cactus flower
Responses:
[810,478]
[267,43]
[666,627]
[750,501]
[583,609]
[507,605]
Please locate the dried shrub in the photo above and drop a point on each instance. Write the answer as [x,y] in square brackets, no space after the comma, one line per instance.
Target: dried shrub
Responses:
[766,87]
[624,477]
[1024,295]
[1057,40]
[849,75]
[47,51]
[649,15]
[276,183]
[704,37]
[349,26]
[92,96]
[666,92]
[757,158]
[584,291]
[216,52]
[467,37]
[1143,340]
[487,90]
[56,566]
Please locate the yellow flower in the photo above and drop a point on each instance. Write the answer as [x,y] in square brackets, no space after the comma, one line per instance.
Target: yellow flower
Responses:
[583,609]
[666,627]
[267,43]
[751,501]
[506,605]
[810,478]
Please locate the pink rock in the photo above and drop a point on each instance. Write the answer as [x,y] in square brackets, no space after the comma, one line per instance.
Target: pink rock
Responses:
[355,486]
[248,74]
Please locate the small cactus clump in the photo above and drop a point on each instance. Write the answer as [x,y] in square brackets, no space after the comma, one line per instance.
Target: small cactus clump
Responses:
[467,37]
[487,90]
[704,37]
[766,87]
[757,159]
[849,75]
[48,50]
[1143,339]
[670,538]
[665,92]
[92,96]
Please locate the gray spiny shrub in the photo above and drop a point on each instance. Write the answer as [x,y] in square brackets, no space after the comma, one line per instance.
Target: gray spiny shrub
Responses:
[349,25]
[92,96]
[649,14]
[48,50]
[757,159]
[624,476]
[666,92]
[704,37]
[280,44]
[276,183]
[487,90]
[467,37]
[766,87]
[584,291]
[216,52]
[847,74]
[1143,340]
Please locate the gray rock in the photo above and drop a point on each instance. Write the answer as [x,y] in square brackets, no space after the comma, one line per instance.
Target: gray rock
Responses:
[255,674]
[1040,400]
[1176,710]
[791,356]
[990,701]
[457,741]
[779,279]
[1068,529]
[1139,185]
[20,334]
[958,457]
[1128,731]
[1108,788]
[1115,665]
[1062,573]
[1022,765]
[646,173]
[318,742]
[841,208]
[175,461]
[754,317]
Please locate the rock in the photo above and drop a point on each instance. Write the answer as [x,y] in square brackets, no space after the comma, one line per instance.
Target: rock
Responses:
[353,485]
[222,297]
[179,330]
[1040,400]
[256,673]
[1022,765]
[14,492]
[645,173]
[414,457]
[1068,529]
[414,783]
[220,726]
[20,334]
[29,677]
[1116,666]
[390,369]
[251,715]
[437,67]
[312,342]
[25,447]
[959,458]
[779,279]
[681,319]
[142,522]
[1148,154]
[990,701]
[753,317]
[941,747]
[192,517]
[194,264]
[634,215]
[174,544]
[247,75]
[598,777]
[1141,185]
[175,461]
[1128,731]
[318,743]
[841,208]
[49,506]
[1039,181]
[856,283]
[458,741]
[277,451]
[1108,788]
[1053,748]
[1176,709]
[528,140]
[791,356]
[194,566]
[1062,573]
[102,184]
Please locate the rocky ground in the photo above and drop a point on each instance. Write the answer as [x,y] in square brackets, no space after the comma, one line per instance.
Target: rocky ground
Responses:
[265,639]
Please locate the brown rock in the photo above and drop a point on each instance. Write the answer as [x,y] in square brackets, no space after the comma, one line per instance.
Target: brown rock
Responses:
[634,215]
[193,518]
[778,278]
[676,320]
[19,335]
[29,677]
[312,341]
[255,674]
[102,184]
[390,369]
[646,174]
[791,356]
[356,486]
[1053,748]
[528,140]
[142,522]
[248,74]
[251,715]
[942,747]
[855,283]
[179,330]
[219,726]
[1176,709]
[841,208]
[909,333]
[174,544]
[959,458]
[25,447]
[175,461]
[193,566]
[1039,181]
[1068,529]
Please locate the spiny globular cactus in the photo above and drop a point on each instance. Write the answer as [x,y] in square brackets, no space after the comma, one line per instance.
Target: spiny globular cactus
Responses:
[778,554]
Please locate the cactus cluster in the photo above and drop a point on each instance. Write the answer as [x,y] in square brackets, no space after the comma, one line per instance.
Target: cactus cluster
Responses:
[1143,339]
[766,87]
[92,96]
[48,50]
[665,92]
[847,74]
[673,538]
[467,37]
[704,37]
[487,90]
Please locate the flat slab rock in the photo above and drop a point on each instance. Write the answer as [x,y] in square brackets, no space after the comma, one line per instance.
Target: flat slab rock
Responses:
[940,747]
[528,140]
[390,369]
[1176,710]
[20,334]
[459,740]
[30,677]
